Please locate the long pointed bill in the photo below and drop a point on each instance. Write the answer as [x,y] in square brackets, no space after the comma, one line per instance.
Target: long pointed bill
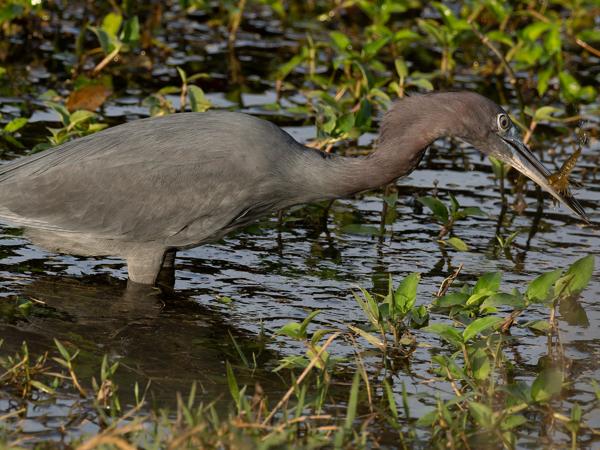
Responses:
[525,162]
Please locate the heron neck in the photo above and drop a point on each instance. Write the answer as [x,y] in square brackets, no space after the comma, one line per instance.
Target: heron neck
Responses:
[401,144]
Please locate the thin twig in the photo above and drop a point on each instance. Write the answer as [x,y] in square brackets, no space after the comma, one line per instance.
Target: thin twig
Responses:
[448,282]
[108,58]
[588,47]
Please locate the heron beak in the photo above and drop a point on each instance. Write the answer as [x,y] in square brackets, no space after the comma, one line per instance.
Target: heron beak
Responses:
[521,158]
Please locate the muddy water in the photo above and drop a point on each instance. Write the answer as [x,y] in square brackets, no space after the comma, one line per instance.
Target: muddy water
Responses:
[282,268]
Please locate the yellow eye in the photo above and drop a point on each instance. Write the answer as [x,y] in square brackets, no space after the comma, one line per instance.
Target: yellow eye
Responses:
[503,122]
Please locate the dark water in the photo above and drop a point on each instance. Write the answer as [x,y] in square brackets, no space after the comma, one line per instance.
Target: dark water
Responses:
[280,270]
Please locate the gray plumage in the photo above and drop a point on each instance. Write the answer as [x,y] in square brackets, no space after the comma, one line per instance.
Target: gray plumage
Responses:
[150,186]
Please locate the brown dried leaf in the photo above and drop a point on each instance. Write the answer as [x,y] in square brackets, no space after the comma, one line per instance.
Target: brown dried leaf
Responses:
[89,97]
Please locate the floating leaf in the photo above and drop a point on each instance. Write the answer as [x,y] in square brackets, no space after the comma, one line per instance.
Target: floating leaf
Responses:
[457,244]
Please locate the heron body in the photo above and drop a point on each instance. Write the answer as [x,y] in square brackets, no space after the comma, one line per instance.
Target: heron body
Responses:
[144,189]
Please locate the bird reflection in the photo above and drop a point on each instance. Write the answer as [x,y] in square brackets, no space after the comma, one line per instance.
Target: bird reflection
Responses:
[156,334]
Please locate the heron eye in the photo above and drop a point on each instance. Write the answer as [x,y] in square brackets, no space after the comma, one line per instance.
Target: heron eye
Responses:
[503,122]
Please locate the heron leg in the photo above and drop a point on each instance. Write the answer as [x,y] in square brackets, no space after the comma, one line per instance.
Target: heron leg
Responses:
[166,276]
[144,265]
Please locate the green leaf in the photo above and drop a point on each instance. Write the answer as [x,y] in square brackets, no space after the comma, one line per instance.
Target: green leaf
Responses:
[544,76]
[371,48]
[198,101]
[107,42]
[535,30]
[369,307]
[539,289]
[286,68]
[406,293]
[480,325]
[545,113]
[472,211]
[131,31]
[111,23]
[569,86]
[482,414]
[308,320]
[234,389]
[499,36]
[446,332]
[419,317]
[364,115]
[41,387]
[15,124]
[552,41]
[406,34]
[488,282]
[62,350]
[438,209]
[452,299]
[480,364]
[541,326]
[576,278]
[503,299]
[457,243]
[291,329]
[423,83]
[428,419]
[401,68]
[546,385]
[352,401]
[514,421]
[389,393]
[341,41]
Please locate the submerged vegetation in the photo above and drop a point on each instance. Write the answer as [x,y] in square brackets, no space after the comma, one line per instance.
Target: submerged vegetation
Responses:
[452,368]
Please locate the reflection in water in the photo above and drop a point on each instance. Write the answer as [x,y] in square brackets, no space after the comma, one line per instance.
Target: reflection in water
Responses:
[157,336]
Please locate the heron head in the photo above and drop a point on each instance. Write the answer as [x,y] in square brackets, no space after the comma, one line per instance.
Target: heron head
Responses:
[488,128]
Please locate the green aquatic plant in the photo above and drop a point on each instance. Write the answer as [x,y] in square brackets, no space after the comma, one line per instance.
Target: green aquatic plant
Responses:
[8,133]
[447,216]
[394,313]
[74,124]
[159,104]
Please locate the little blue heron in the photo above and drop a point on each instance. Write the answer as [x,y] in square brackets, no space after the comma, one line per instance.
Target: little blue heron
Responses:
[144,189]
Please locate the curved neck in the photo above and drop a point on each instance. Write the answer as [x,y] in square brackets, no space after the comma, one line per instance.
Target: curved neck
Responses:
[404,136]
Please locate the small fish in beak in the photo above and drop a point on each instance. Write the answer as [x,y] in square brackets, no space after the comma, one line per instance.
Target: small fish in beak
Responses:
[523,160]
